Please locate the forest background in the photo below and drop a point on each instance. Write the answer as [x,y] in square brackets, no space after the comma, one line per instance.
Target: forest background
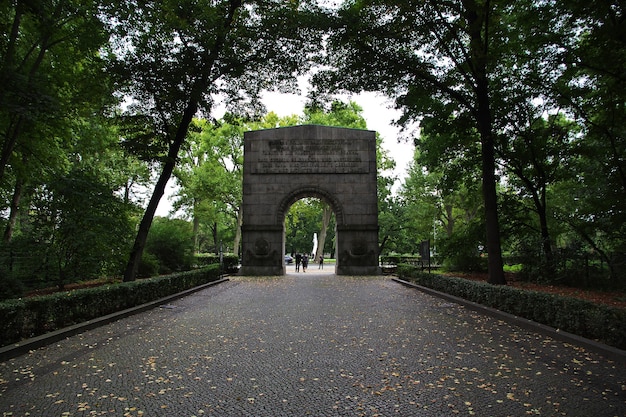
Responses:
[519,156]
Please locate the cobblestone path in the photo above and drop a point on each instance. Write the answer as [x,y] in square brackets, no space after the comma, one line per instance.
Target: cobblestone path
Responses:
[311,344]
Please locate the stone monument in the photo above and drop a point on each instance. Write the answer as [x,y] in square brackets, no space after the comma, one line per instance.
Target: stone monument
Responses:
[283,165]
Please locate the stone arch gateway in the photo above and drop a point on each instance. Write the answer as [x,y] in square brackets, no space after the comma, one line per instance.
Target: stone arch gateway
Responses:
[283,165]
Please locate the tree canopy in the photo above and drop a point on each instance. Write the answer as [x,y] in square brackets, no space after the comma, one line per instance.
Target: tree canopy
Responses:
[497,73]
[520,105]
[172,57]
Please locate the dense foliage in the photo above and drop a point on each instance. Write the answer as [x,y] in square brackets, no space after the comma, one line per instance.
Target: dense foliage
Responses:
[519,154]
[531,91]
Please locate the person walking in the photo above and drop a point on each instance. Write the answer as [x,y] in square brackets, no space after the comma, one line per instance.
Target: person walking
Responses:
[305,262]
[298,261]
[321,262]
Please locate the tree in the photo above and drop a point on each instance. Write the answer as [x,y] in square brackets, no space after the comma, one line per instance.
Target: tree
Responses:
[77,225]
[427,54]
[569,65]
[170,242]
[44,46]
[88,243]
[592,87]
[210,175]
[535,156]
[441,193]
[178,56]
[50,77]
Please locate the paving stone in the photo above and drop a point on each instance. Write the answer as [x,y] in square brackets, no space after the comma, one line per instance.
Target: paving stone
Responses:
[312,344]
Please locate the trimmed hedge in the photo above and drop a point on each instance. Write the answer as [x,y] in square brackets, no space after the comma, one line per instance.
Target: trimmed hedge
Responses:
[29,317]
[583,318]
[231,260]
[398,259]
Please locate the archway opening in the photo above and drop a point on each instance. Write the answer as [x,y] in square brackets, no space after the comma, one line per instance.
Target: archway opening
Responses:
[309,228]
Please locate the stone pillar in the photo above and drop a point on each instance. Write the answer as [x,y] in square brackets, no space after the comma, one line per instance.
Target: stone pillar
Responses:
[357,250]
[262,250]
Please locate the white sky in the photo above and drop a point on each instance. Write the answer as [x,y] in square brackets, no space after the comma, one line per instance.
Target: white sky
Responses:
[377,112]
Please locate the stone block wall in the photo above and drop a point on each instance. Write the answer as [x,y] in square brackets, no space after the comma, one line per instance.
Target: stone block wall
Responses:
[284,165]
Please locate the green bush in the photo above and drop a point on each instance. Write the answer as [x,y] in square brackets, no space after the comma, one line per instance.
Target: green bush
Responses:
[460,251]
[231,260]
[171,242]
[398,259]
[149,265]
[580,317]
[24,318]
[10,287]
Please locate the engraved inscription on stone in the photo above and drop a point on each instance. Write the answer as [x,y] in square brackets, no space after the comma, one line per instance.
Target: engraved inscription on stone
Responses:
[311,156]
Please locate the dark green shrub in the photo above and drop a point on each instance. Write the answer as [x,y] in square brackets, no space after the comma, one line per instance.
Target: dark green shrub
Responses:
[171,242]
[23,318]
[230,261]
[584,318]
[149,265]
[460,252]
[10,287]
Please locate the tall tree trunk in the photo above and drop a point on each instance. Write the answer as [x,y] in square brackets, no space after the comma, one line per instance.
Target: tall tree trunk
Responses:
[196,229]
[159,190]
[192,107]
[450,217]
[539,200]
[494,250]
[381,247]
[216,243]
[238,231]
[478,25]
[540,205]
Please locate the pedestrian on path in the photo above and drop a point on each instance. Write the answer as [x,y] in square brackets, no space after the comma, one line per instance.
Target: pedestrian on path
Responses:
[298,261]
[321,262]
[305,262]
